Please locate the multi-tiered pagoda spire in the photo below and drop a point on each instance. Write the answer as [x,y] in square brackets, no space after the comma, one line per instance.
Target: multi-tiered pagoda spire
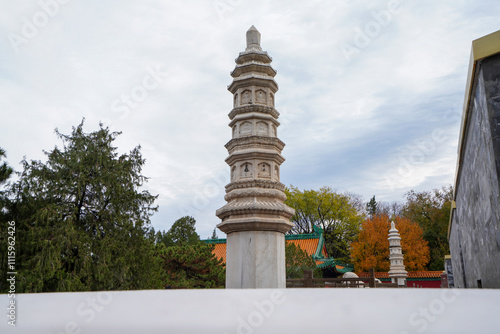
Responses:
[397,271]
[255,217]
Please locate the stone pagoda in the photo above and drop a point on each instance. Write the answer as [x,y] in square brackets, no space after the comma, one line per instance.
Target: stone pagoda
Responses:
[397,271]
[255,217]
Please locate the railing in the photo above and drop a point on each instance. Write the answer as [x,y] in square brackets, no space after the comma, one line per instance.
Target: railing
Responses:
[308,281]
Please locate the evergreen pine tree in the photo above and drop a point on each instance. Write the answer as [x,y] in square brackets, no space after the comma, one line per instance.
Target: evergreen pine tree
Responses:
[192,266]
[181,233]
[214,235]
[5,170]
[371,207]
[81,222]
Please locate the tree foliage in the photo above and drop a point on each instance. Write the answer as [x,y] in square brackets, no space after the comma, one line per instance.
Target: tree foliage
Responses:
[181,233]
[187,262]
[81,221]
[297,260]
[5,173]
[214,235]
[371,207]
[375,208]
[192,266]
[371,250]
[339,215]
[5,170]
[431,210]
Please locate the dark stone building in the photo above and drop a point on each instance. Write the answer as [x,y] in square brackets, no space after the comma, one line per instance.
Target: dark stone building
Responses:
[474,231]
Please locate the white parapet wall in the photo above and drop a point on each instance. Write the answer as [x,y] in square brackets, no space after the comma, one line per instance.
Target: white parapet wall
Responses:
[395,311]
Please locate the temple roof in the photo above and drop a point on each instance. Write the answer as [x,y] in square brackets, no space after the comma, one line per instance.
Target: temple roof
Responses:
[411,275]
[313,244]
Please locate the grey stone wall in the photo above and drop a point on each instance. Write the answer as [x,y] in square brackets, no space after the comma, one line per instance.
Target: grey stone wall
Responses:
[475,229]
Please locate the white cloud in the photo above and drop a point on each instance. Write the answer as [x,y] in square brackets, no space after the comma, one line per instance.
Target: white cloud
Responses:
[345,123]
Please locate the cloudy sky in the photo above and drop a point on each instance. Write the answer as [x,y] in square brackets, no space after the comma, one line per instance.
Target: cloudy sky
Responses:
[370,95]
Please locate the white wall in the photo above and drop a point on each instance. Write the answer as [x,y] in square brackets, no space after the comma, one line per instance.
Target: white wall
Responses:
[258,311]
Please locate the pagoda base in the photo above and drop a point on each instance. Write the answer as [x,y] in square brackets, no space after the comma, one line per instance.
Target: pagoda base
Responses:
[400,281]
[255,260]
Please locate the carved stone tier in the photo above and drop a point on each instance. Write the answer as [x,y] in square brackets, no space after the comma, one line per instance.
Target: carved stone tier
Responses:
[255,141]
[255,192]
[257,56]
[253,79]
[254,108]
[255,184]
[253,66]
[248,159]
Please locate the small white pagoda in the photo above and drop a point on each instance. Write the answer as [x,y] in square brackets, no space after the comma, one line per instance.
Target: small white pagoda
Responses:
[397,271]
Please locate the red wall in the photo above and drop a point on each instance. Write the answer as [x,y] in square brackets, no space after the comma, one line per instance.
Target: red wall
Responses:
[423,284]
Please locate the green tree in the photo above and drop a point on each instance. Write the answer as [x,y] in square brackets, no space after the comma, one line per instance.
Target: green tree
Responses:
[214,235]
[5,170]
[371,207]
[81,221]
[181,233]
[192,266]
[297,260]
[339,215]
[431,210]
[5,173]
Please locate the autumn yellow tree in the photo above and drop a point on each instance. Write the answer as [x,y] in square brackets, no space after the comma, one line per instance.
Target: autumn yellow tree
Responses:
[371,250]
[339,215]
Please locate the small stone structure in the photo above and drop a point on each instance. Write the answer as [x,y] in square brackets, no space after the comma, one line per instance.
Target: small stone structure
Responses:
[397,271]
[255,218]
[474,230]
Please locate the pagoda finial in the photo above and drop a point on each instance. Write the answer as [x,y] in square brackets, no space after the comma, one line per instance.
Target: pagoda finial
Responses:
[253,39]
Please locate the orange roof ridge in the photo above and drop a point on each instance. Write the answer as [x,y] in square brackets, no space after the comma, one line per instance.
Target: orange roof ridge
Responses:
[411,274]
[309,245]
